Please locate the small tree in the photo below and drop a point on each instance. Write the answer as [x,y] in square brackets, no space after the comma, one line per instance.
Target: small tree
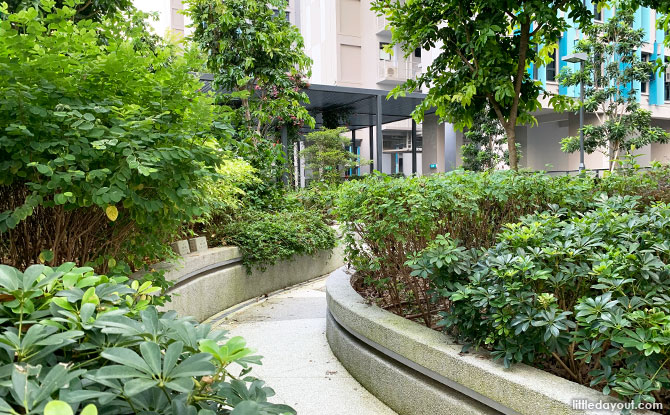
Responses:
[485,47]
[326,154]
[258,63]
[484,143]
[94,10]
[609,74]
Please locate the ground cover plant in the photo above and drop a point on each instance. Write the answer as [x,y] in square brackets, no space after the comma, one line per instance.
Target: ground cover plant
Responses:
[266,237]
[71,335]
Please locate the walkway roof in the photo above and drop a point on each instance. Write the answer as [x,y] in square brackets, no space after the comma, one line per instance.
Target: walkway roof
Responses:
[359,103]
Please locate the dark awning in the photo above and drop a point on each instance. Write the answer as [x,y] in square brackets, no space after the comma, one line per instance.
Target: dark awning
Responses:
[359,103]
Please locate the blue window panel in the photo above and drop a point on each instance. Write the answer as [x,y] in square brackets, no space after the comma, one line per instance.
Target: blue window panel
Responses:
[645,22]
[624,89]
[657,85]
[608,13]
[637,23]
[532,65]
[565,47]
[358,153]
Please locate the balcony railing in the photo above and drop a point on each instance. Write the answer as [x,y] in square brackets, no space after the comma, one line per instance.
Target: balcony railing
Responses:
[390,72]
[382,24]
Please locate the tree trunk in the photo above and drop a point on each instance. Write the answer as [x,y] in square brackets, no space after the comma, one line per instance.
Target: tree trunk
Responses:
[511,147]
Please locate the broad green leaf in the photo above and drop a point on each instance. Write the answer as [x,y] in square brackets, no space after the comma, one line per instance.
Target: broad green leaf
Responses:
[46,256]
[58,408]
[152,356]
[138,385]
[89,409]
[126,357]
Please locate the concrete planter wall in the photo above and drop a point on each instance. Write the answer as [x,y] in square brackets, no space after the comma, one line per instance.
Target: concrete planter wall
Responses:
[417,371]
[211,281]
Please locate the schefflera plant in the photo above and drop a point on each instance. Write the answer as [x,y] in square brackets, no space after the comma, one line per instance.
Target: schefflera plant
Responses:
[72,341]
[587,294]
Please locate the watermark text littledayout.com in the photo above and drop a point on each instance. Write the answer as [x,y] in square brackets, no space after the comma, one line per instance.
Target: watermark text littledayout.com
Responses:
[587,404]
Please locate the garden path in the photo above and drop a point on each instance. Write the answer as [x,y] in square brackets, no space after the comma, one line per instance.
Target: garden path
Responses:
[289,330]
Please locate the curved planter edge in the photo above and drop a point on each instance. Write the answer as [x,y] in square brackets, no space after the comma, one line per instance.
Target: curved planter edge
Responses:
[215,280]
[519,390]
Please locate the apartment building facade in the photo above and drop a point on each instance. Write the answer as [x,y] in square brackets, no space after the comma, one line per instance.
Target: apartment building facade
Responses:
[541,144]
[346,41]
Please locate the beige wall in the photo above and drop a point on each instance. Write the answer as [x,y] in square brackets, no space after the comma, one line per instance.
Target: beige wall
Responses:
[170,19]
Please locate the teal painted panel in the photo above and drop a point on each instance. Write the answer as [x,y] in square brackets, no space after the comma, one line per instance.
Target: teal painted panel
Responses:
[656,86]
[608,13]
[637,23]
[566,47]
[645,21]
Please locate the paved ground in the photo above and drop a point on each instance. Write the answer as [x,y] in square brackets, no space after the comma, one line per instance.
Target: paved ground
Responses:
[289,330]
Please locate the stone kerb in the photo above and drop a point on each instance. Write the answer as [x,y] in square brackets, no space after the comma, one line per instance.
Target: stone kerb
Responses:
[214,280]
[518,390]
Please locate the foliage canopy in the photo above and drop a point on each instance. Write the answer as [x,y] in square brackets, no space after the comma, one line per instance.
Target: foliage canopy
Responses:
[258,63]
[485,47]
[106,140]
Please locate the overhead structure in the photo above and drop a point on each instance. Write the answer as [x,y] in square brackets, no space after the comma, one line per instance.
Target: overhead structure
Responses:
[364,108]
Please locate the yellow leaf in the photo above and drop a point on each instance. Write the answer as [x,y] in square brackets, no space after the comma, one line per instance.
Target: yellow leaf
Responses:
[112,213]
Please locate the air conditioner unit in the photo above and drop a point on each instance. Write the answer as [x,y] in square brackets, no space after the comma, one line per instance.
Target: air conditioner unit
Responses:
[390,72]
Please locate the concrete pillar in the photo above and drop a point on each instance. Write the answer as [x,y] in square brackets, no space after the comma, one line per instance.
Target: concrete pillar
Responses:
[380,134]
[284,145]
[451,147]
[433,152]
[595,160]
[413,146]
[371,148]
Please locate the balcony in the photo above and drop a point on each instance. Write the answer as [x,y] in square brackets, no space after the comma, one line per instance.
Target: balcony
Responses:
[394,73]
[382,26]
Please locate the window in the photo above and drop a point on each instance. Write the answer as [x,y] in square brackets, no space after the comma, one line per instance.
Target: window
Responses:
[551,68]
[383,55]
[597,14]
[667,83]
[417,52]
[644,86]
[287,14]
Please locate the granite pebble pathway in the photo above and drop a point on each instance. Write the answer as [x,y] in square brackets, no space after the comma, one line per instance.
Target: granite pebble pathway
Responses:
[289,330]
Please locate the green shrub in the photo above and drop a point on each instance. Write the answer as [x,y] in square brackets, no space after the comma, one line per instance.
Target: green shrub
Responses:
[652,185]
[105,143]
[387,220]
[268,237]
[68,334]
[585,295]
[318,197]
